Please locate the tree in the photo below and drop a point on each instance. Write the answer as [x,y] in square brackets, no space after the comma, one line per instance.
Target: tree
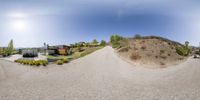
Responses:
[115,40]
[76,45]
[87,44]
[94,42]
[72,45]
[186,44]
[103,43]
[199,49]
[137,36]
[183,51]
[187,47]
[10,48]
[1,51]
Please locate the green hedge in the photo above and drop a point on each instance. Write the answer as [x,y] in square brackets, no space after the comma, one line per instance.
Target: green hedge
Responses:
[59,62]
[32,62]
[65,60]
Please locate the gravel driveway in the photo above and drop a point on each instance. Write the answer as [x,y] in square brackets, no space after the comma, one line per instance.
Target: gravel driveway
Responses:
[101,75]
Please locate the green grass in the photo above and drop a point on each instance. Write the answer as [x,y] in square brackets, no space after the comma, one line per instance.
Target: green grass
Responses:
[59,57]
[76,54]
[85,52]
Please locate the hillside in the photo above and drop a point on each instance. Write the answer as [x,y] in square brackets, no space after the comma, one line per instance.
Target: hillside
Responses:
[152,51]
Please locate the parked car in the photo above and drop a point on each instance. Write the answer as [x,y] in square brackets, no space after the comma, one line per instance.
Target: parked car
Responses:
[29,53]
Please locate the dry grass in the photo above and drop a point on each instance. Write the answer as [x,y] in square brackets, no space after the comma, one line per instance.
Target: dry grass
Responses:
[152,50]
[123,49]
[163,57]
[162,63]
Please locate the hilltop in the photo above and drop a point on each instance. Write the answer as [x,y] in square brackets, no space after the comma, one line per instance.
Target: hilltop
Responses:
[150,51]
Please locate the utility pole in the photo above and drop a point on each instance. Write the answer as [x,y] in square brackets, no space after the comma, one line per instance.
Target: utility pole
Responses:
[199,45]
[199,48]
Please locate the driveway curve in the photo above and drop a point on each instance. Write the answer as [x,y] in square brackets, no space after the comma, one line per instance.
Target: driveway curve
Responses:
[101,75]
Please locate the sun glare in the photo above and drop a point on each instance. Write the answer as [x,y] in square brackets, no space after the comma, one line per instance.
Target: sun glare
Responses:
[17,15]
[19,25]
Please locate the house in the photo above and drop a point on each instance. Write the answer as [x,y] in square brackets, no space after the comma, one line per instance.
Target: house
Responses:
[58,50]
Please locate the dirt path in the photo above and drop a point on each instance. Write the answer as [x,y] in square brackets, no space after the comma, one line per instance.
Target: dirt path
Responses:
[101,75]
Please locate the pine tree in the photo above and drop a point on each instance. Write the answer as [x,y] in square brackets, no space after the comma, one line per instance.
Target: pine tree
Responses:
[10,48]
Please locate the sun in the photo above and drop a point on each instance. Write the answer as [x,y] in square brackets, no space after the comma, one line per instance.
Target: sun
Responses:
[19,25]
[19,21]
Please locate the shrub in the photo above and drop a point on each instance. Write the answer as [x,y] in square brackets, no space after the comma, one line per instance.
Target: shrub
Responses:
[65,60]
[59,62]
[137,36]
[148,55]
[162,51]
[32,62]
[135,56]
[163,57]
[103,43]
[114,40]
[162,63]
[183,51]
[124,49]
[135,48]
[84,54]
[143,47]
[94,43]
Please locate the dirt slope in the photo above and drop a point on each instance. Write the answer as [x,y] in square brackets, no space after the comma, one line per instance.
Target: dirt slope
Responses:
[153,51]
[101,75]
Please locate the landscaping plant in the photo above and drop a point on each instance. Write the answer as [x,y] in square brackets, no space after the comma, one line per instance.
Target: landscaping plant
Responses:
[183,51]
[103,43]
[115,40]
[59,62]
[32,62]
[65,60]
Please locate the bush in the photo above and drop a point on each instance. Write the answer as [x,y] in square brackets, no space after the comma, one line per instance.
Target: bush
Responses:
[103,43]
[124,49]
[183,51]
[143,47]
[65,60]
[162,63]
[135,56]
[94,43]
[59,62]
[162,51]
[163,57]
[114,40]
[84,54]
[32,62]
[137,36]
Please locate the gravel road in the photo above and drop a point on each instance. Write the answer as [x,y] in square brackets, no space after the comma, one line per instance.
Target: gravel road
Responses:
[101,75]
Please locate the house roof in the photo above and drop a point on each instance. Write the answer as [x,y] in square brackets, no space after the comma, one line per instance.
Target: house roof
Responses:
[58,47]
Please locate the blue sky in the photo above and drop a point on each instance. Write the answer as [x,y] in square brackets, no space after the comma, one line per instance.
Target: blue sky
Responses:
[30,23]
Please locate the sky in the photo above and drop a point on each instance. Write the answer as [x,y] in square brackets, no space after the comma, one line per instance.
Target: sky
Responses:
[30,23]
